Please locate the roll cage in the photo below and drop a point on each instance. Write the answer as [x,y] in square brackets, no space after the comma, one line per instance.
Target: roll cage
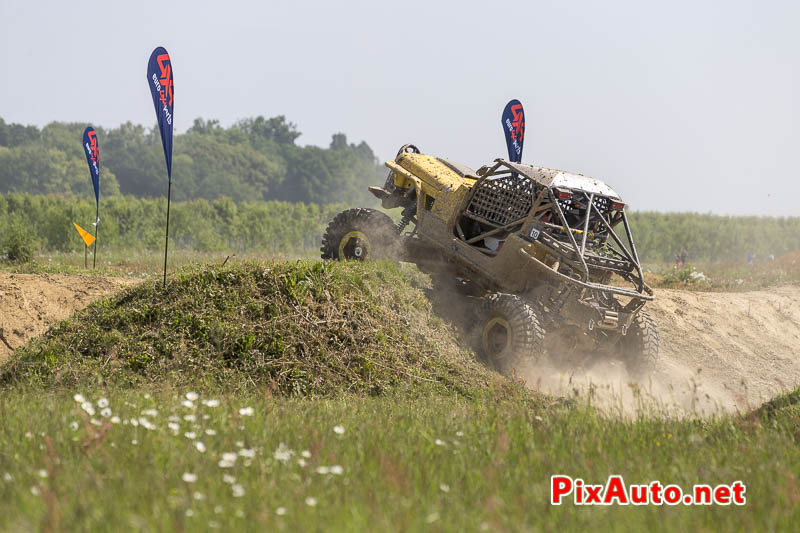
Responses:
[554,210]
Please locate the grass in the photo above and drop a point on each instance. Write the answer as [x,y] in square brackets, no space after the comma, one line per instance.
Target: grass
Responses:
[431,440]
[437,463]
[727,277]
[131,263]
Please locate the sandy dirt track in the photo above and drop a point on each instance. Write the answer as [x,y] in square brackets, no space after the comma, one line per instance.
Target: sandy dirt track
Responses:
[719,352]
[31,303]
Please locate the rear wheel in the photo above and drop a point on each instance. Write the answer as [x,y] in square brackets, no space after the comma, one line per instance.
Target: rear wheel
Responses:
[640,345]
[359,234]
[511,332]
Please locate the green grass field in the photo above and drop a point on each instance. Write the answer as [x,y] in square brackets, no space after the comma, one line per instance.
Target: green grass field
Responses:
[353,463]
[331,397]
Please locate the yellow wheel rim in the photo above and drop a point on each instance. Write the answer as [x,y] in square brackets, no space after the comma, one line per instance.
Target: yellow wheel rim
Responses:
[356,244]
[496,336]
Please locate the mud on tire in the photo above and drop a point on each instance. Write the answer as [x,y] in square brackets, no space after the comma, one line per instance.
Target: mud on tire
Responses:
[511,332]
[359,234]
[640,345]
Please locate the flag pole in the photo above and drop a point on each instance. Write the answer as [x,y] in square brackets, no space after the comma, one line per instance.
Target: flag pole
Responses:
[166,240]
[85,256]
[96,224]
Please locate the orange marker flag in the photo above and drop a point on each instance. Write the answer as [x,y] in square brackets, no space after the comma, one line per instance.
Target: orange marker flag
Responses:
[87,237]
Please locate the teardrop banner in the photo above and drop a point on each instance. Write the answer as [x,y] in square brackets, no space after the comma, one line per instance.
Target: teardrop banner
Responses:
[162,89]
[513,120]
[92,149]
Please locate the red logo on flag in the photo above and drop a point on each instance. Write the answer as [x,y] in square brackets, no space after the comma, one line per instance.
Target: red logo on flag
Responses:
[166,79]
[518,133]
[94,153]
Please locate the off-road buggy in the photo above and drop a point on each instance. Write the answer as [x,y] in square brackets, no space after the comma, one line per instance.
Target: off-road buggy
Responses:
[549,253]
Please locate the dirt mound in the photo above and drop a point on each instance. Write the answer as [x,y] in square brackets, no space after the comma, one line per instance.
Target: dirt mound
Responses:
[31,303]
[719,352]
[296,328]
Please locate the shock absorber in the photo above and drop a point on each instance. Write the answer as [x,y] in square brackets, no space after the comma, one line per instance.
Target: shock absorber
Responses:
[407,216]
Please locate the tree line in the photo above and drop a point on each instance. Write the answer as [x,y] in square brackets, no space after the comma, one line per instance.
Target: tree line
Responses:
[254,159]
[278,227]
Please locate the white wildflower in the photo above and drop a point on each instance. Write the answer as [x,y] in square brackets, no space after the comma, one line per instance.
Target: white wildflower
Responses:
[189,513]
[218,509]
[115,419]
[210,432]
[192,396]
[323,470]
[134,442]
[280,511]
[42,473]
[199,496]
[283,453]
[302,463]
[337,470]
[444,487]
[311,501]
[228,460]
[95,422]
[229,479]
[35,491]
[188,477]
[238,490]
[246,411]
[439,442]
[306,454]
[247,452]
[339,430]
[191,435]
[145,423]
[200,447]
[73,425]
[190,418]
[240,444]
[174,418]
[150,412]
[7,477]
[211,403]
[188,404]
[102,403]
[134,422]
[79,398]
[105,412]
[88,407]
[174,427]
[459,433]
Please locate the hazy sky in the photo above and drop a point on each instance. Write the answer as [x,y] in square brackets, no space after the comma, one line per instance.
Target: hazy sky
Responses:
[678,105]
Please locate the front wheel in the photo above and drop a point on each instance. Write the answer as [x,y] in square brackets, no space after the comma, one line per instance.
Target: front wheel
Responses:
[359,234]
[511,332]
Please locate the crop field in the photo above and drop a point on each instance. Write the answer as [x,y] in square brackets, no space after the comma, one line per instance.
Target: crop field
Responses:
[281,395]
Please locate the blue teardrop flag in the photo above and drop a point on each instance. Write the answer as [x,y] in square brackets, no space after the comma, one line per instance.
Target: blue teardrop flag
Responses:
[92,149]
[162,88]
[513,121]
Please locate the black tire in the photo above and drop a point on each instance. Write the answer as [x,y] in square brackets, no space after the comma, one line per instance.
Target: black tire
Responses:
[359,234]
[640,345]
[511,332]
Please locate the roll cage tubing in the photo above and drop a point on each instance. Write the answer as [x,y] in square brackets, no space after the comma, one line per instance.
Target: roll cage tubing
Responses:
[631,255]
